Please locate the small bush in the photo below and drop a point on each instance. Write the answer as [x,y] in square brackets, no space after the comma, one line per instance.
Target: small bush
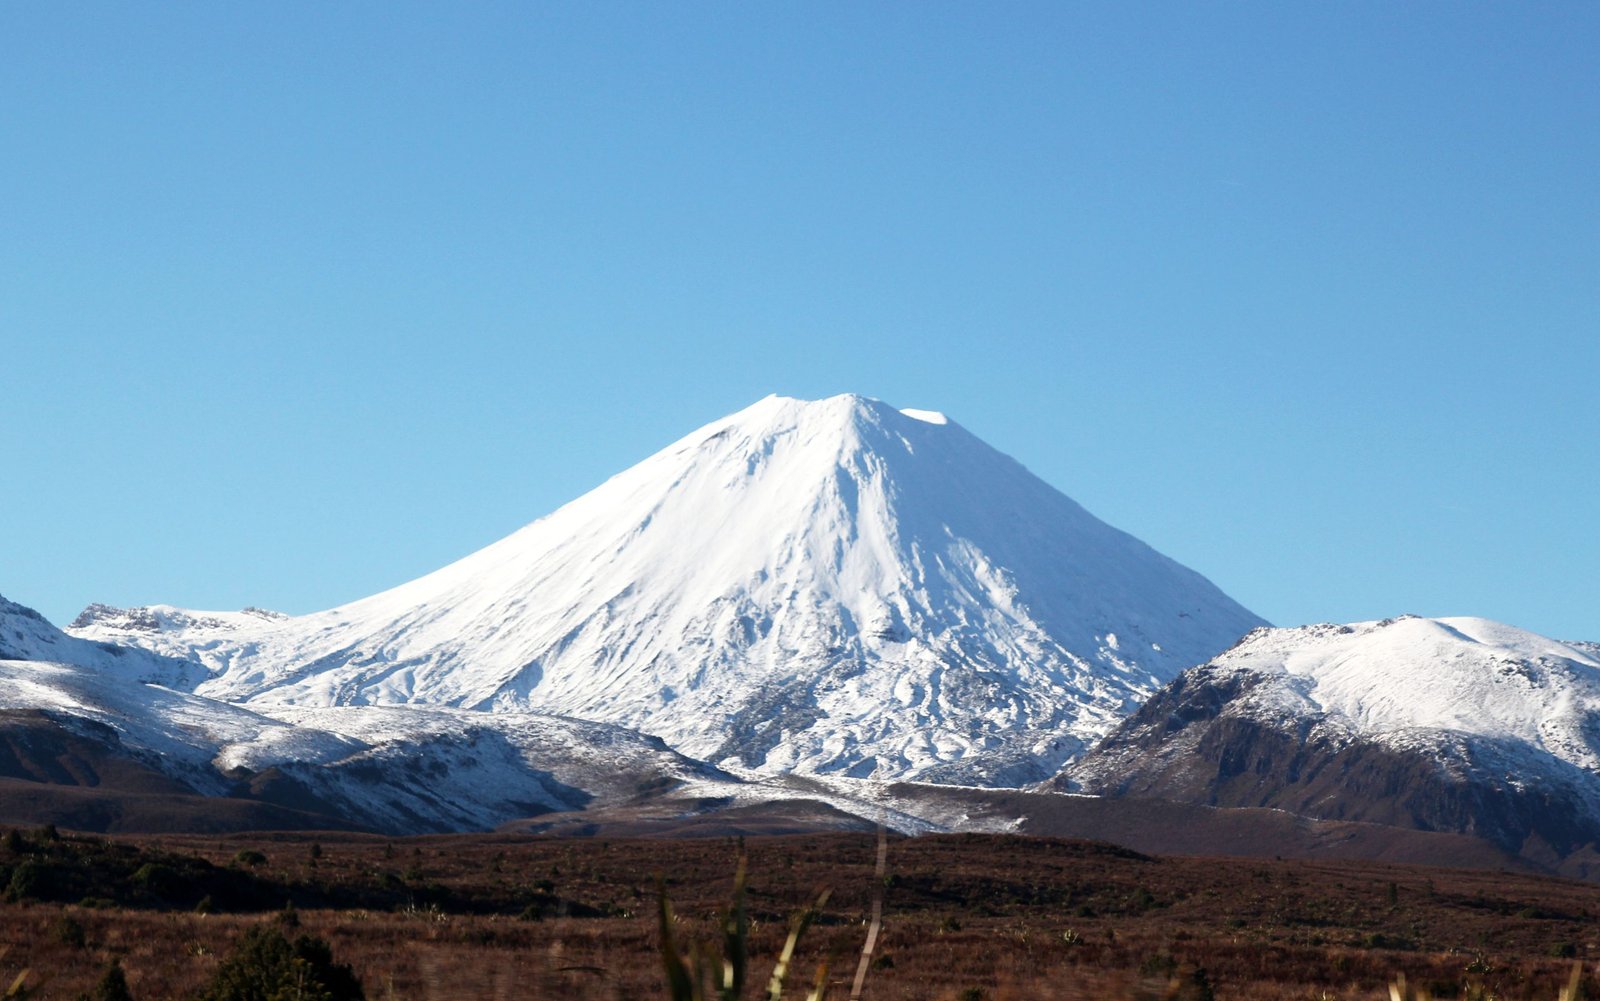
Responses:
[161,880]
[112,986]
[1381,940]
[30,880]
[1479,966]
[69,932]
[266,966]
[250,857]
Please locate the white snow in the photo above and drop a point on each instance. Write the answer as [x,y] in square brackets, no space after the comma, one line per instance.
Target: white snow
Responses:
[1407,681]
[25,635]
[832,587]
[399,768]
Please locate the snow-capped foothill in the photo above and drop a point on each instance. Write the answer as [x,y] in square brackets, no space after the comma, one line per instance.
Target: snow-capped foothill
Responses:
[25,635]
[398,768]
[1445,724]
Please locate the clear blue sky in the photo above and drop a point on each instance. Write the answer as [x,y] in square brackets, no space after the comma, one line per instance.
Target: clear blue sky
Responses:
[298,301]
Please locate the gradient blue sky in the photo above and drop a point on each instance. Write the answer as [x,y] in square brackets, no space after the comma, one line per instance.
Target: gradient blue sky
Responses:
[299,301]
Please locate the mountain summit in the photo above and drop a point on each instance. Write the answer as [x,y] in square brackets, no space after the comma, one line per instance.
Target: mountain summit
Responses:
[833,586]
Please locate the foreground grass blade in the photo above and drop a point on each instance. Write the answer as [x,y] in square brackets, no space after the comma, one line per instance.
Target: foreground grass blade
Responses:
[19,990]
[880,871]
[1574,989]
[680,985]
[819,990]
[735,938]
[797,927]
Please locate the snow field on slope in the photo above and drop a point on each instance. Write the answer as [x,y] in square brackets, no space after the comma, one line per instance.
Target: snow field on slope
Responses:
[1412,678]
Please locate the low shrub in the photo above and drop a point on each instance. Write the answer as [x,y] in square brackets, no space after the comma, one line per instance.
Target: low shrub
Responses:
[266,966]
[112,986]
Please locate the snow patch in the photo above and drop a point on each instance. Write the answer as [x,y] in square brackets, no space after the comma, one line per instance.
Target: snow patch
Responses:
[1404,681]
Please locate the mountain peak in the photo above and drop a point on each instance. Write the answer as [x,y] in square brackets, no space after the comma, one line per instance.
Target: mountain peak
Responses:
[842,411]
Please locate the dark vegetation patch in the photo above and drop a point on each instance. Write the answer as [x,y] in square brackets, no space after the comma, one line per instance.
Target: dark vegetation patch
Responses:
[42,866]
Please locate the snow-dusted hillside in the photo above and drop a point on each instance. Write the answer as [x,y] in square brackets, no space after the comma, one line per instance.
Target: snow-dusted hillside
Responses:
[26,635]
[1404,681]
[830,587]
[402,769]
[1452,724]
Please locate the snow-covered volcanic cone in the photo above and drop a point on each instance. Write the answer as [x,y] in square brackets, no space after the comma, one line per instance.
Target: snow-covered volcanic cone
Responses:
[833,586]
